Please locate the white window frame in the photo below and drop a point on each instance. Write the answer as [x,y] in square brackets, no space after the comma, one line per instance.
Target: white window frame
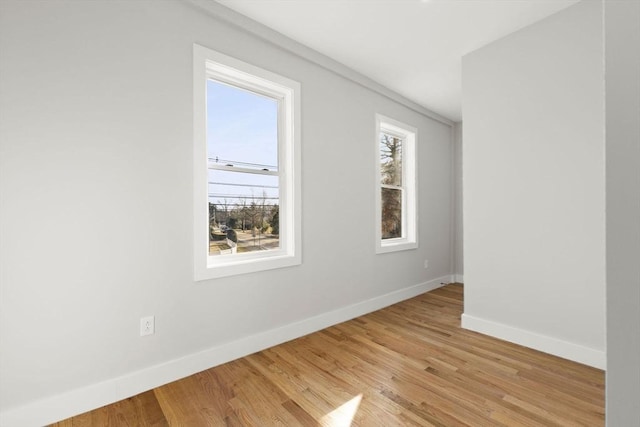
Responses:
[409,136]
[209,64]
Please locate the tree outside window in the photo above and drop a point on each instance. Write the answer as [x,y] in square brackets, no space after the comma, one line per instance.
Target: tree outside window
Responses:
[391,185]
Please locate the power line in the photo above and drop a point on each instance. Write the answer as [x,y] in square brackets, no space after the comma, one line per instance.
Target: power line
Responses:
[239,196]
[243,185]
[245,164]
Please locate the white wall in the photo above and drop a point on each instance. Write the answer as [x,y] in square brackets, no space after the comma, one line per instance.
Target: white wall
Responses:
[96,213]
[534,187]
[622,45]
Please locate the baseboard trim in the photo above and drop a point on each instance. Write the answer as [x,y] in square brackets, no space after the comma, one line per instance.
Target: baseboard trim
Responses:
[81,400]
[458,278]
[577,353]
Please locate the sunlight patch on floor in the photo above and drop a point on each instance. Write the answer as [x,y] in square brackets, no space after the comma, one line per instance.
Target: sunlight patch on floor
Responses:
[343,415]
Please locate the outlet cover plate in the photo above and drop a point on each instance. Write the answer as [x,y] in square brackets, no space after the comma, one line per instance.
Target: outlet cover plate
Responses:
[147,326]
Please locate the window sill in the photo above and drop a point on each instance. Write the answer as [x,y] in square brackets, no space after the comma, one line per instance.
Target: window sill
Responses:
[217,268]
[395,245]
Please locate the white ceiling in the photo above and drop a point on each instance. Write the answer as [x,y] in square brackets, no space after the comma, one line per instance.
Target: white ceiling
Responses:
[413,47]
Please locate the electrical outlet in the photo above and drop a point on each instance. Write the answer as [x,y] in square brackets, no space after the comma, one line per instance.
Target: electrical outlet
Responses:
[147,325]
[426,263]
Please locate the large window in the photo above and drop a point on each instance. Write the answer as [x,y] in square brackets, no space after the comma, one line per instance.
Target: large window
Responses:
[246,167]
[396,227]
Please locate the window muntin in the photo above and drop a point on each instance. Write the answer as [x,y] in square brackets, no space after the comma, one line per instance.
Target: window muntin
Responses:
[396,210]
[246,170]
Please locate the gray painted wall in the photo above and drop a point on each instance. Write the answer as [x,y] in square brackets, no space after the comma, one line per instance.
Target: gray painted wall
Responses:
[458,222]
[622,44]
[534,187]
[96,190]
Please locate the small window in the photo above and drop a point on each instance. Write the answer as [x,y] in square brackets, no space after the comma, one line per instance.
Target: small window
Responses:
[246,167]
[396,227]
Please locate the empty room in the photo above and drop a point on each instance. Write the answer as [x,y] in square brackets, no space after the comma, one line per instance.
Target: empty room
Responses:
[319,213]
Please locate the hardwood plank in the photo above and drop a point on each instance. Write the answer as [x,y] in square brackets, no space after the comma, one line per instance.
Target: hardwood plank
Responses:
[409,364]
[302,416]
[141,410]
[187,402]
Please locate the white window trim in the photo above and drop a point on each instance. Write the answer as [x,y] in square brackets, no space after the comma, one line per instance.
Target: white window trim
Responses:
[208,63]
[409,135]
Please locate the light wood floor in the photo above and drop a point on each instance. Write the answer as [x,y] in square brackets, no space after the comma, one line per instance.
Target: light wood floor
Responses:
[407,365]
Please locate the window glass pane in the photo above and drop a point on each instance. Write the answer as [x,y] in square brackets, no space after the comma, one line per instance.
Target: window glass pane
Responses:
[391,213]
[242,127]
[244,208]
[390,159]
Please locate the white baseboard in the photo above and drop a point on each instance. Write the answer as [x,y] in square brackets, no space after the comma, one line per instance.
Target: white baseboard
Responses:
[78,401]
[458,278]
[544,343]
